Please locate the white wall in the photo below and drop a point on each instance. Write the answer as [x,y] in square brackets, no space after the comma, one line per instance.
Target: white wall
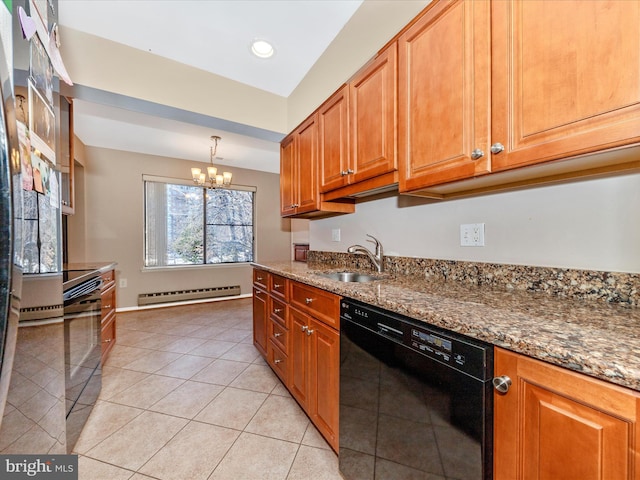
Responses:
[586,225]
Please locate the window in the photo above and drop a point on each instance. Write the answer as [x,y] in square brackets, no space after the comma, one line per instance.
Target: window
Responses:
[190,225]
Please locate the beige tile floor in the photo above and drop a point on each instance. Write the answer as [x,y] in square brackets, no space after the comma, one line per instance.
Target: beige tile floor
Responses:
[186,396]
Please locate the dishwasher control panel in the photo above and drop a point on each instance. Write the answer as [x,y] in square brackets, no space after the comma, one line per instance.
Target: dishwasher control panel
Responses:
[428,342]
[463,353]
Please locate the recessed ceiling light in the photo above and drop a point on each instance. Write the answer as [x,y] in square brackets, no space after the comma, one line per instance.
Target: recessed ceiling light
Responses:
[262,49]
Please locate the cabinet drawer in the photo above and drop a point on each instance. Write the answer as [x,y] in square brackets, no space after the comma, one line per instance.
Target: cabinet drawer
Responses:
[278,361]
[320,304]
[279,312]
[278,287]
[108,301]
[108,334]
[108,278]
[279,336]
[261,278]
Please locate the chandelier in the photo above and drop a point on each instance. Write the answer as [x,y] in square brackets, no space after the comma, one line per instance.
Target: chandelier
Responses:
[211,179]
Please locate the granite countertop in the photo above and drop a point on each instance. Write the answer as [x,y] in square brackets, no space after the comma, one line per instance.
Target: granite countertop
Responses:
[596,338]
[76,273]
[96,266]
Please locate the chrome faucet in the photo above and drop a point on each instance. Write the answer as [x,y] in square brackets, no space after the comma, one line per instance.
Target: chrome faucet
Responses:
[377,259]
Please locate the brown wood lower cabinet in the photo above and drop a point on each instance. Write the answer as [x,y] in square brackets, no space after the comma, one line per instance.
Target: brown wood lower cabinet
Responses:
[108,313]
[299,381]
[260,316]
[324,376]
[314,372]
[302,347]
[556,424]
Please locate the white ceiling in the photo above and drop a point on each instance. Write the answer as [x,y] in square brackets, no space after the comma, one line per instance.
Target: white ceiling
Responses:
[215,36]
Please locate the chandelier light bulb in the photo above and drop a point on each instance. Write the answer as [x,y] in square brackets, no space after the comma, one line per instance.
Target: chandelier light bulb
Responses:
[211,179]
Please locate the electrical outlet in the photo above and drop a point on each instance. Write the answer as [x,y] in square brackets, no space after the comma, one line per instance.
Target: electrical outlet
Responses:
[335,235]
[472,235]
[123,283]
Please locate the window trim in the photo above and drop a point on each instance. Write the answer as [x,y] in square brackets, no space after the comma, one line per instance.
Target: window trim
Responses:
[189,183]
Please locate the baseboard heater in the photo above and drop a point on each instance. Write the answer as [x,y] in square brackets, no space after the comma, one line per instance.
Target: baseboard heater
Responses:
[185,295]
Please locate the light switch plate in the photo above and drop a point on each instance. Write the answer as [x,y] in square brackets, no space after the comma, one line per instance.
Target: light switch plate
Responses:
[472,235]
[335,235]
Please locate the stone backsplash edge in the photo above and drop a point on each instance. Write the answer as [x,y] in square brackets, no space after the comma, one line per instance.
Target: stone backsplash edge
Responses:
[613,287]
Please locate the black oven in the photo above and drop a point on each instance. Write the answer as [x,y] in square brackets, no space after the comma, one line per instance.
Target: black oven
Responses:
[416,401]
[82,322]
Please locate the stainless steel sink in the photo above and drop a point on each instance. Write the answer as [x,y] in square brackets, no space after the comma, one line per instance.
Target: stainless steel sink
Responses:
[350,277]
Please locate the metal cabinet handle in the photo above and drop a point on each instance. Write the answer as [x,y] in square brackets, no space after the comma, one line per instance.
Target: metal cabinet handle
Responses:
[309,332]
[501,384]
[304,328]
[277,310]
[276,285]
[276,360]
[259,279]
[349,171]
[108,340]
[277,335]
[497,148]
[344,172]
[308,300]
[106,307]
[476,154]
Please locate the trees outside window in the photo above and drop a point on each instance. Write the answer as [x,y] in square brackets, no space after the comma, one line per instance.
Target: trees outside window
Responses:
[191,225]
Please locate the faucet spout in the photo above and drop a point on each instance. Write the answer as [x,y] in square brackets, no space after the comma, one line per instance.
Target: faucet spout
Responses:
[376,259]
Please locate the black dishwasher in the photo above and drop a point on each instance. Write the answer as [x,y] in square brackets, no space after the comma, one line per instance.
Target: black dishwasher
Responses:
[416,401]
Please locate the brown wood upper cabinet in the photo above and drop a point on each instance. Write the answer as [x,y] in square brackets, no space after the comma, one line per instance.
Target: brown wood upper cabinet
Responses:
[566,78]
[553,423]
[299,163]
[443,71]
[299,185]
[489,86]
[66,156]
[358,130]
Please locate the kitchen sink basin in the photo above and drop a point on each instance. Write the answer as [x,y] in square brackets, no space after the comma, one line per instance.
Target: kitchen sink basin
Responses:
[350,277]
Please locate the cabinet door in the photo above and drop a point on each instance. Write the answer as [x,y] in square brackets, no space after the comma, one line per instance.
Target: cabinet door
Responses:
[444,95]
[306,166]
[299,378]
[287,175]
[334,141]
[557,424]
[260,318]
[325,371]
[566,78]
[372,106]
[66,156]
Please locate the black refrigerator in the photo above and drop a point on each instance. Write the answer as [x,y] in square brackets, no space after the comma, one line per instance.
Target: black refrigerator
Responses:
[10,223]
[32,374]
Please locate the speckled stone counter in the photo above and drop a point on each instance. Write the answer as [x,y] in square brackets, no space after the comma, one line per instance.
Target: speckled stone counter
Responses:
[100,267]
[90,269]
[594,337]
